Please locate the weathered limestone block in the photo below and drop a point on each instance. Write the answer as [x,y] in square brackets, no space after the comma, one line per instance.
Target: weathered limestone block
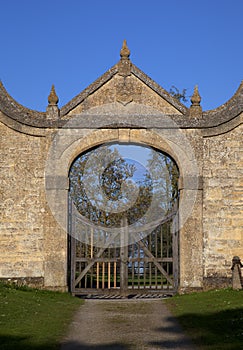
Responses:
[223,201]
[22,204]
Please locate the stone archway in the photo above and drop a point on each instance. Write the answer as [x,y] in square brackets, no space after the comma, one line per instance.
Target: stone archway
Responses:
[123,237]
[69,144]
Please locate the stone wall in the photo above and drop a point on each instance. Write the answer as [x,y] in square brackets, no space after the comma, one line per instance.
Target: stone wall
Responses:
[222,203]
[22,204]
[33,246]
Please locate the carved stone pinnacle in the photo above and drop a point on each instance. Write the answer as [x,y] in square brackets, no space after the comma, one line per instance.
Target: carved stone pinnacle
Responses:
[195,108]
[125,52]
[124,65]
[53,98]
[196,98]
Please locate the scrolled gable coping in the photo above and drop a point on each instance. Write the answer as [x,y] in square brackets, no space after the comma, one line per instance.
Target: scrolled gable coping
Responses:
[210,119]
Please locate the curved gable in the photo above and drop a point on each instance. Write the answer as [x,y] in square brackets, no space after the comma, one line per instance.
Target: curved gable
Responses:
[122,85]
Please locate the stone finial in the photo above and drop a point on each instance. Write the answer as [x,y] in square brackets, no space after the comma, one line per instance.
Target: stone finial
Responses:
[125,52]
[52,110]
[124,66]
[236,273]
[196,98]
[53,98]
[195,108]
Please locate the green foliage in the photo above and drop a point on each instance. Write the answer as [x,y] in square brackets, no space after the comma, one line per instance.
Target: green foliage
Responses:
[213,320]
[179,95]
[111,179]
[119,171]
[33,319]
[165,178]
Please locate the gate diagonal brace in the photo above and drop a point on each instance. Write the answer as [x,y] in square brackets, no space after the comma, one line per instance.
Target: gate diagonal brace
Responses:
[88,267]
[140,243]
[161,269]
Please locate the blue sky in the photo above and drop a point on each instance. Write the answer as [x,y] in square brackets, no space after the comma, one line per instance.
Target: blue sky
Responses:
[71,43]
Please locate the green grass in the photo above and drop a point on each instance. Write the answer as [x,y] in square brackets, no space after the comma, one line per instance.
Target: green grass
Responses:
[213,320]
[33,319]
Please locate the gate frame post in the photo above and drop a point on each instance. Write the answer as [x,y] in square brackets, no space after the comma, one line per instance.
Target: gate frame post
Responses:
[124,257]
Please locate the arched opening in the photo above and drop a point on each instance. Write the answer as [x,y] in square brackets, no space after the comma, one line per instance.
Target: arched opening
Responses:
[123,221]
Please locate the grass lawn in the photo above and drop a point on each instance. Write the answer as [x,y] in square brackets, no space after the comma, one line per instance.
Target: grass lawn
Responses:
[33,319]
[213,320]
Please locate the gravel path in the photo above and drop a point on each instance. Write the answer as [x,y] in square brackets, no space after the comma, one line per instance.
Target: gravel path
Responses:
[125,325]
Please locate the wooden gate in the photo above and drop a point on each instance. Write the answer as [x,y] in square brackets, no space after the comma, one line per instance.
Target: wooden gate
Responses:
[146,267]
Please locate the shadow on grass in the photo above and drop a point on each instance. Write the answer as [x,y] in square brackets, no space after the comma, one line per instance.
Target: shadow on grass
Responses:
[220,331]
[11,342]
[81,346]
[26,343]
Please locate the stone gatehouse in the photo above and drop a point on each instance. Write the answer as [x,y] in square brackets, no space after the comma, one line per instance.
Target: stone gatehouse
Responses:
[123,105]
